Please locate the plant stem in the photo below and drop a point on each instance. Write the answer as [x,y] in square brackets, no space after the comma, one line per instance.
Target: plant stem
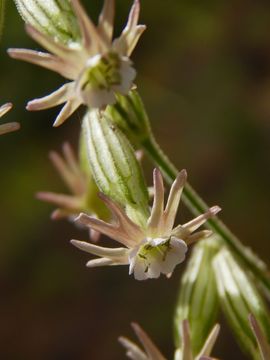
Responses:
[197,206]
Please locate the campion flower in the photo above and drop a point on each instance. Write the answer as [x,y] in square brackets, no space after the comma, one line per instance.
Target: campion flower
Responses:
[154,248]
[151,352]
[83,190]
[98,66]
[9,127]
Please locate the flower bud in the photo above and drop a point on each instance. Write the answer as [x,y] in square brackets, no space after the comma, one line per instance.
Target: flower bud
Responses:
[198,299]
[55,18]
[114,165]
[130,116]
[239,298]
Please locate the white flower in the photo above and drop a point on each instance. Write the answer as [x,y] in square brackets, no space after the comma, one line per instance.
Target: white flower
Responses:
[153,249]
[84,192]
[6,128]
[98,66]
[151,352]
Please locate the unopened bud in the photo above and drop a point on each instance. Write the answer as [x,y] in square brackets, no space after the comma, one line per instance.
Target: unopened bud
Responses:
[114,165]
[239,298]
[130,116]
[55,18]
[198,298]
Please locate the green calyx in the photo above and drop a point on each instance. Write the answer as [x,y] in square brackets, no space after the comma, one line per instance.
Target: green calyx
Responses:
[198,298]
[54,18]
[114,165]
[129,114]
[239,298]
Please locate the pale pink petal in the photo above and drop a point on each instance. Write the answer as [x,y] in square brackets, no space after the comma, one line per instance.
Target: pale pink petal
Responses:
[62,200]
[58,97]
[67,171]
[128,228]
[5,108]
[105,262]
[106,18]
[92,41]
[70,107]
[133,351]
[209,343]
[150,348]
[45,60]
[99,250]
[158,204]
[186,343]
[173,200]
[261,340]
[194,224]
[204,234]
[9,127]
[64,52]
[107,229]
[127,41]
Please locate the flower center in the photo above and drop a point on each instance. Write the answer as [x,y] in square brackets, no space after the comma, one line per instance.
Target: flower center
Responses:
[103,72]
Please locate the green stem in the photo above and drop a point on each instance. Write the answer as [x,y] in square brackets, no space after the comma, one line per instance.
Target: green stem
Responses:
[197,206]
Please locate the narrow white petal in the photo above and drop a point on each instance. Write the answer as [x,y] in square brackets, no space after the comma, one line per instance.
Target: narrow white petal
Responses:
[151,349]
[105,262]
[70,107]
[194,224]
[58,97]
[45,60]
[127,41]
[92,41]
[210,342]
[187,352]
[106,18]
[133,351]
[139,269]
[261,340]
[9,127]
[49,44]
[174,199]
[5,108]
[99,250]
[158,204]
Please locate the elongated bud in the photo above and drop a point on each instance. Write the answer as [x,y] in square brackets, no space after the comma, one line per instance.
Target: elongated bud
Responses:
[55,18]
[198,299]
[239,298]
[130,116]
[114,165]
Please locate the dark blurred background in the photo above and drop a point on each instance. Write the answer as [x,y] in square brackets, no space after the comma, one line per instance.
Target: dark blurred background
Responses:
[204,74]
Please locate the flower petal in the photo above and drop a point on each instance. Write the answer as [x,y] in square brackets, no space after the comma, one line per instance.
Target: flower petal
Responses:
[127,41]
[64,52]
[62,200]
[111,253]
[187,352]
[9,127]
[194,224]
[210,342]
[92,41]
[58,97]
[151,349]
[69,108]
[106,262]
[105,21]
[133,351]
[45,60]
[158,204]
[173,200]
[5,108]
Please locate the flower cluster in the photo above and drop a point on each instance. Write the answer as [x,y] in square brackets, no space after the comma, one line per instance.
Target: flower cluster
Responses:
[97,66]
[151,250]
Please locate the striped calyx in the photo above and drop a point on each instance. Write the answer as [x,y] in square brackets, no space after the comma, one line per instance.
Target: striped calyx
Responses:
[54,18]
[114,165]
